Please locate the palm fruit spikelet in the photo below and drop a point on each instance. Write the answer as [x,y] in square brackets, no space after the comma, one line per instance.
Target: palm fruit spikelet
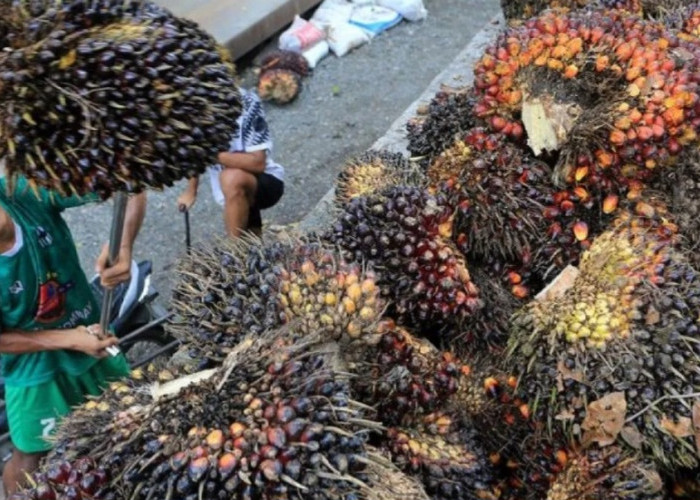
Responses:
[515,10]
[614,357]
[449,115]
[285,59]
[233,288]
[127,103]
[405,233]
[276,421]
[607,473]
[451,464]
[281,86]
[371,172]
[402,376]
[605,86]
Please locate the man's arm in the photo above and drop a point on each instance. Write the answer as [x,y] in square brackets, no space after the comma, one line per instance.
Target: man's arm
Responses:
[253,162]
[75,339]
[121,270]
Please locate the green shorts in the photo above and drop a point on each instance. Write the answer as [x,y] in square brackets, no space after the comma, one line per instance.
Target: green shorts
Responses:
[33,412]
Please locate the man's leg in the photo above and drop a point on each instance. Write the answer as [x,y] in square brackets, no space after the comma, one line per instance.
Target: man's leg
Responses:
[16,469]
[239,189]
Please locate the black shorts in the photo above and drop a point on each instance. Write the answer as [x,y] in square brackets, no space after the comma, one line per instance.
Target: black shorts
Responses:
[270,190]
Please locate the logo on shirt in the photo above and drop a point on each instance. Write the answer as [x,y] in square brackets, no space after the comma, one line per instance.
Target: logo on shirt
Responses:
[43,236]
[52,300]
[16,288]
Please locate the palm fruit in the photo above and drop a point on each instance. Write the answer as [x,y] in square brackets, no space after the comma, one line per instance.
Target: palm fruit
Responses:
[613,358]
[448,116]
[371,172]
[607,474]
[106,101]
[285,59]
[451,465]
[604,86]
[239,287]
[402,376]
[515,10]
[405,233]
[276,421]
[281,86]
[685,484]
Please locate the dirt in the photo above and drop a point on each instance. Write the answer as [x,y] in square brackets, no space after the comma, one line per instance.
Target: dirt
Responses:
[346,104]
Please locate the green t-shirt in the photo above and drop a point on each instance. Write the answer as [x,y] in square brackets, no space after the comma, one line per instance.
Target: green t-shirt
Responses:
[42,285]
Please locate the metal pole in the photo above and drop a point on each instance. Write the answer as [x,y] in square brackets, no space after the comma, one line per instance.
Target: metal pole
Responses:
[188,239]
[115,241]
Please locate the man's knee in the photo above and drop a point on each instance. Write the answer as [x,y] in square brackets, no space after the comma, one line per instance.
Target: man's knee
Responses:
[27,461]
[237,183]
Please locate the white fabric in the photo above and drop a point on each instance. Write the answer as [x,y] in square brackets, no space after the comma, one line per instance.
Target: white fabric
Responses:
[19,242]
[413,10]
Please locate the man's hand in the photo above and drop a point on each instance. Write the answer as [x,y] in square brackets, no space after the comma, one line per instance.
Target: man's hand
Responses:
[91,340]
[119,272]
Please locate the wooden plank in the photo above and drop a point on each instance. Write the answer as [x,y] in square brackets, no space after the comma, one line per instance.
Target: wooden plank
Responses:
[240,25]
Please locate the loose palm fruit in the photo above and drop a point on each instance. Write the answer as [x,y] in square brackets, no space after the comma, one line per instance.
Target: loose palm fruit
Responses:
[104,102]
[281,86]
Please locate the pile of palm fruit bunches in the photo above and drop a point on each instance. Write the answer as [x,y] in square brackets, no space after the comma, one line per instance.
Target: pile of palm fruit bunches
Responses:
[509,313]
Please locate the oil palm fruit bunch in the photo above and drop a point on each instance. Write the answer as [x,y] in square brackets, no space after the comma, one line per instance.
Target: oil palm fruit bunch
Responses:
[235,288]
[448,117]
[281,86]
[371,172]
[684,17]
[613,357]
[402,376]
[284,59]
[515,10]
[104,103]
[276,421]
[602,85]
[607,474]
[451,466]
[405,233]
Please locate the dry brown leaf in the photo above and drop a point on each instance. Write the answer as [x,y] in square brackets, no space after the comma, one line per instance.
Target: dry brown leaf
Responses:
[696,424]
[605,419]
[632,437]
[652,316]
[681,429]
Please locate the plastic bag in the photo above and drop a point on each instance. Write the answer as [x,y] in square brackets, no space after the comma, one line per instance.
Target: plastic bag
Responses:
[300,35]
[413,10]
[343,37]
[375,19]
[332,12]
[314,54]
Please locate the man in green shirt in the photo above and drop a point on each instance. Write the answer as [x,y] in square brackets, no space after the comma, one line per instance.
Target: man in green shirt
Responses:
[51,347]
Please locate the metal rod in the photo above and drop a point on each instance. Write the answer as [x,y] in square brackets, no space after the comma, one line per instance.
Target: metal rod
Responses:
[188,238]
[115,241]
[160,351]
[145,327]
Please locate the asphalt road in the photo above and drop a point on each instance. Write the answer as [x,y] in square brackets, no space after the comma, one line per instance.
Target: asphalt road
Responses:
[346,104]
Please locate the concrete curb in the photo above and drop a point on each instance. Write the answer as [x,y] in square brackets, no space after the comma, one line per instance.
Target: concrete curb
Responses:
[458,74]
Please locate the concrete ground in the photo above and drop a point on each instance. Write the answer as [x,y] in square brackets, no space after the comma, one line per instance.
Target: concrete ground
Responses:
[346,104]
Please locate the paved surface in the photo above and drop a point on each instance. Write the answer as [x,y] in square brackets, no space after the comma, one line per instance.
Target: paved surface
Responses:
[346,105]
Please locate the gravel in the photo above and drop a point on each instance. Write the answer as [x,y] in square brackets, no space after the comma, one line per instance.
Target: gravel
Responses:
[346,104]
